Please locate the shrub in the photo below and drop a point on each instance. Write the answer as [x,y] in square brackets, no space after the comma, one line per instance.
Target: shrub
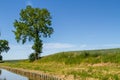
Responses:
[32,57]
[85,54]
[0,57]
[96,54]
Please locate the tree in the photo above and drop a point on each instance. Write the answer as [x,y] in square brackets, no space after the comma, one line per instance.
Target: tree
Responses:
[4,47]
[33,25]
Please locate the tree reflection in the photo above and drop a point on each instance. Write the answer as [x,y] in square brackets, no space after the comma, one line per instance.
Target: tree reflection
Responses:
[1,74]
[0,71]
[4,79]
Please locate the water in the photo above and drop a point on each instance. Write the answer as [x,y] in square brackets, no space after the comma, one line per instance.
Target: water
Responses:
[7,75]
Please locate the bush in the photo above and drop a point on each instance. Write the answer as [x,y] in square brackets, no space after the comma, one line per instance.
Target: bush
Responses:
[32,57]
[0,57]
[96,54]
[85,54]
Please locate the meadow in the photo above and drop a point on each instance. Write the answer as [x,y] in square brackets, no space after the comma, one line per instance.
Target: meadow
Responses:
[82,65]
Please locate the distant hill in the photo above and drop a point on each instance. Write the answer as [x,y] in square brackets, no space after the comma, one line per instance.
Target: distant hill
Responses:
[86,56]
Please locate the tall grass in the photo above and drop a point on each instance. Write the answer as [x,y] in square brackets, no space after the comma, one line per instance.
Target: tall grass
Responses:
[90,56]
[80,64]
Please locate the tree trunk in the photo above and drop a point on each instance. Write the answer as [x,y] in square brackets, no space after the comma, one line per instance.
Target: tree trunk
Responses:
[37,47]
[36,56]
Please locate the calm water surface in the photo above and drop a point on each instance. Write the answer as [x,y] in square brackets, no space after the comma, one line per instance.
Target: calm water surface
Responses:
[6,75]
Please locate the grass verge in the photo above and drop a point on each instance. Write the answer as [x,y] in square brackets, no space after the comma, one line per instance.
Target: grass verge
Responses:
[83,65]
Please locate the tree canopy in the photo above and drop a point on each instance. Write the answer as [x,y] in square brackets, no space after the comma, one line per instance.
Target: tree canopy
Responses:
[4,47]
[33,25]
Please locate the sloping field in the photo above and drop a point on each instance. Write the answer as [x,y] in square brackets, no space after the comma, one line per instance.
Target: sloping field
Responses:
[80,65]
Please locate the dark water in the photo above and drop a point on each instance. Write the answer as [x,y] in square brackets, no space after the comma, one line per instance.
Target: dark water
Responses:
[6,75]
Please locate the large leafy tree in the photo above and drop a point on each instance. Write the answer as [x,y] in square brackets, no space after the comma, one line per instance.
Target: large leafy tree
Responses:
[4,47]
[33,25]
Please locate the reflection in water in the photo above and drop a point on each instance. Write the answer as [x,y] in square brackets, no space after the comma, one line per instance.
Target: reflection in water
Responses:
[6,75]
[0,71]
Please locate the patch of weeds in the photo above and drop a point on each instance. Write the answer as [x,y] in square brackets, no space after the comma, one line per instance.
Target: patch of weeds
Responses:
[82,73]
[85,54]
[105,78]
[37,68]
[110,77]
[116,77]
[96,54]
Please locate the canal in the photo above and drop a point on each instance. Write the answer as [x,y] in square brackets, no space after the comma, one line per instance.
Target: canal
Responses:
[16,74]
[7,75]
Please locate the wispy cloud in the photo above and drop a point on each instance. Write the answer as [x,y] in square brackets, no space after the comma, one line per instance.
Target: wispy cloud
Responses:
[18,52]
[83,46]
[112,45]
[50,48]
[57,45]
[22,51]
[29,3]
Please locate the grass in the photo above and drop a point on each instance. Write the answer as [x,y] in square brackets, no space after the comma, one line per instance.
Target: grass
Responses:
[83,65]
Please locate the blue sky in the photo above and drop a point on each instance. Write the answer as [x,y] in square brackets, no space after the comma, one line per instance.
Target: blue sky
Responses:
[78,25]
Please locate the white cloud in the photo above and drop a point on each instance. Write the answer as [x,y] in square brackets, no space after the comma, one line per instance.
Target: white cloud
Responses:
[83,46]
[57,45]
[111,45]
[29,3]
[50,48]
[18,52]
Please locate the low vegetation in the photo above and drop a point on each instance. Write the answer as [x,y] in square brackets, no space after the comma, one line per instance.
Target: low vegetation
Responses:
[83,65]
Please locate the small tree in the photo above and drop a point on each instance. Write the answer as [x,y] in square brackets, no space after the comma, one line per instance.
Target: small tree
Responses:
[4,47]
[34,23]
[32,57]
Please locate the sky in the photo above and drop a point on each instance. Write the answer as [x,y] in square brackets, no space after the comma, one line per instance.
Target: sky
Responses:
[77,24]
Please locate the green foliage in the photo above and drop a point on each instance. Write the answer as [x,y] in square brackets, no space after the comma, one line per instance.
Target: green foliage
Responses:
[77,57]
[4,47]
[0,57]
[32,57]
[34,23]
[85,54]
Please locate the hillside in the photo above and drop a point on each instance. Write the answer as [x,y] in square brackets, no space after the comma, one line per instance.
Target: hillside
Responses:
[83,65]
[88,56]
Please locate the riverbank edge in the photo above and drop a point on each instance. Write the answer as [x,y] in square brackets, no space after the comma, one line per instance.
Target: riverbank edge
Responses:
[37,75]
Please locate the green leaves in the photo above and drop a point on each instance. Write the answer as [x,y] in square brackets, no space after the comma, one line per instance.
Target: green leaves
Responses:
[4,47]
[30,20]
[33,24]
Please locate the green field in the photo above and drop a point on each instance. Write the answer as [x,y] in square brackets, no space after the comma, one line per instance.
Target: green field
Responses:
[82,65]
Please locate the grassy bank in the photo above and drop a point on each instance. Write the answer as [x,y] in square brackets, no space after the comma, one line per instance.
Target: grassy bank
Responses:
[83,65]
